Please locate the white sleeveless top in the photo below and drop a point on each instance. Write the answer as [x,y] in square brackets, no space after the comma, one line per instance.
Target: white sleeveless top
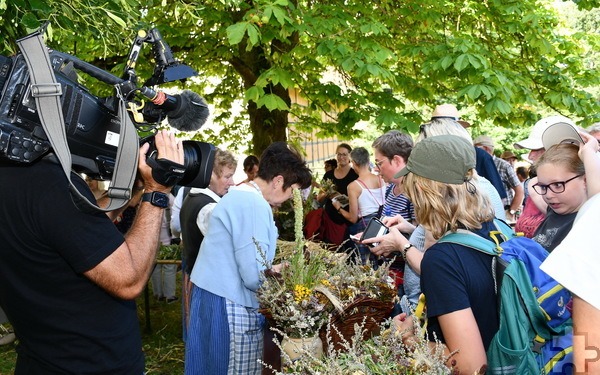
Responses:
[369,200]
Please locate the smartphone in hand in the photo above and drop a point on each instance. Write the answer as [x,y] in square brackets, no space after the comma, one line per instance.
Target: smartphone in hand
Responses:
[375,228]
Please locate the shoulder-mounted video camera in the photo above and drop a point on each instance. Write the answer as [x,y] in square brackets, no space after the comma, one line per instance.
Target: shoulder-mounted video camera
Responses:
[92,124]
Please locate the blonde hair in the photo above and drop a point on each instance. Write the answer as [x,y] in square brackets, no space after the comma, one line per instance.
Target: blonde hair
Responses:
[441,207]
[564,154]
[223,159]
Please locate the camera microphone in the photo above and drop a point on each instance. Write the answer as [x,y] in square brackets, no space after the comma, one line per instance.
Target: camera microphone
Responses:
[186,111]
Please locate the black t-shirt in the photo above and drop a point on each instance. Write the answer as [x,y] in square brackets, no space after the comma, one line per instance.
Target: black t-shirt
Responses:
[553,229]
[455,277]
[341,185]
[65,323]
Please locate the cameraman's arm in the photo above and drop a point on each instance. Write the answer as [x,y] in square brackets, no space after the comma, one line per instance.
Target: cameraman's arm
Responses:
[125,272]
[114,215]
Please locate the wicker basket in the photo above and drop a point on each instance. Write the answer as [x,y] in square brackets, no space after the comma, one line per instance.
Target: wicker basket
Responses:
[365,311]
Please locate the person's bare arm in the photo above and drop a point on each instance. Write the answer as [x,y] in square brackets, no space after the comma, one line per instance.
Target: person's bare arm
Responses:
[350,213]
[537,199]
[517,201]
[588,153]
[462,335]
[125,272]
[395,241]
[586,337]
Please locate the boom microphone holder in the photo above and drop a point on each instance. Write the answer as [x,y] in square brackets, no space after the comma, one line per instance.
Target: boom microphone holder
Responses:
[166,68]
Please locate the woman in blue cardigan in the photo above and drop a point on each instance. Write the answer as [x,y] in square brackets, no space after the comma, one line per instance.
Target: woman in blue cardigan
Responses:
[226,330]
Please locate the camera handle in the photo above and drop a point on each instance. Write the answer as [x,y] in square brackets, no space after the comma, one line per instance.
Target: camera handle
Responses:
[46,91]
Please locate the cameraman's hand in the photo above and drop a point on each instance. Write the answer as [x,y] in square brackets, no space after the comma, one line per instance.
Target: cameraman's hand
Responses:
[168,147]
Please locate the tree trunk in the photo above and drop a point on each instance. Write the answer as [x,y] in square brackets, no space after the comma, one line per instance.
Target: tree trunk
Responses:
[268,126]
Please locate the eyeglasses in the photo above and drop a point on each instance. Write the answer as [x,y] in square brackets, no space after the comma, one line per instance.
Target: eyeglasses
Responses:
[555,187]
[342,154]
[379,162]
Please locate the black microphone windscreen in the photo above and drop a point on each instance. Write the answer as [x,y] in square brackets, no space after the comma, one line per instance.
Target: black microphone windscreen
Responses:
[191,113]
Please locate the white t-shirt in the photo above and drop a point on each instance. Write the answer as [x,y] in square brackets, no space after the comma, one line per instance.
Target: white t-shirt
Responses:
[576,261]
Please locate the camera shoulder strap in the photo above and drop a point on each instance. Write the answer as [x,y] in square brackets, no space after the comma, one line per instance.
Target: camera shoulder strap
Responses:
[47,91]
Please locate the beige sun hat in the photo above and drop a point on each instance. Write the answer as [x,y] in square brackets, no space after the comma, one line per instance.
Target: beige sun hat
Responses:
[484,140]
[508,155]
[448,111]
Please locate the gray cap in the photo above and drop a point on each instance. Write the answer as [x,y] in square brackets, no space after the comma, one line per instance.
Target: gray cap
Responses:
[443,158]
[534,141]
[561,132]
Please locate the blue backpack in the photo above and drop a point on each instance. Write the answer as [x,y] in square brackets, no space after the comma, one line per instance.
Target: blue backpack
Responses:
[535,335]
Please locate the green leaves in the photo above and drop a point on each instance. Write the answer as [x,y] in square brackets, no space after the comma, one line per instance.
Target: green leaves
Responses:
[38,5]
[270,101]
[466,59]
[498,106]
[30,21]
[278,12]
[98,25]
[473,92]
[115,18]
[237,32]
[501,59]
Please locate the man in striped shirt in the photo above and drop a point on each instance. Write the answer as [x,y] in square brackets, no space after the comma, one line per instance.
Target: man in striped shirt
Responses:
[391,151]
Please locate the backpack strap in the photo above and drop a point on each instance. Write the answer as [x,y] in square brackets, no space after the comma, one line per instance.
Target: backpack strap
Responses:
[504,229]
[470,240]
[473,241]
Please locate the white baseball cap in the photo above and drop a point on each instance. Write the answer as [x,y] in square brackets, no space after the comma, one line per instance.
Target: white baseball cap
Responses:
[534,141]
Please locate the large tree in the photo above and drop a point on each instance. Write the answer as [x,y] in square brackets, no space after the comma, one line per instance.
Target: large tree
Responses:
[386,62]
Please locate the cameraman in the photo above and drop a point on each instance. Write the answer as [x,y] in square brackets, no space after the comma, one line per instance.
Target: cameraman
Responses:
[68,278]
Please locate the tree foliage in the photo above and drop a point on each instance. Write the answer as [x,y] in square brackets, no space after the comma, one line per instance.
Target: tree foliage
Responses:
[383,61]
[98,24]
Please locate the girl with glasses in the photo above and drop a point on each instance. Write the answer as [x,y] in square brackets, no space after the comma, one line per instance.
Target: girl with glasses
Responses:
[561,183]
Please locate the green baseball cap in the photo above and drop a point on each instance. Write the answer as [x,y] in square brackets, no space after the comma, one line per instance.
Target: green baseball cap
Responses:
[443,158]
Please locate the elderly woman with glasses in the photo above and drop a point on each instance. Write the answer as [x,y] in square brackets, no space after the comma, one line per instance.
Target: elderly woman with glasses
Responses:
[561,183]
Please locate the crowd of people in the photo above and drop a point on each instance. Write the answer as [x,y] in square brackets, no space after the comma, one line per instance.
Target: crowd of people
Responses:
[83,271]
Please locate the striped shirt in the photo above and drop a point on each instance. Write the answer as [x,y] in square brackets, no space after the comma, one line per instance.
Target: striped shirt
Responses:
[397,204]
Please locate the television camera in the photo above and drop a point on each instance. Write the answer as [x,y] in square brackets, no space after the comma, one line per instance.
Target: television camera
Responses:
[92,123]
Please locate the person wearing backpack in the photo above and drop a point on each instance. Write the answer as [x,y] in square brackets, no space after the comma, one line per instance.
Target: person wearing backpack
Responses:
[394,240]
[462,310]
